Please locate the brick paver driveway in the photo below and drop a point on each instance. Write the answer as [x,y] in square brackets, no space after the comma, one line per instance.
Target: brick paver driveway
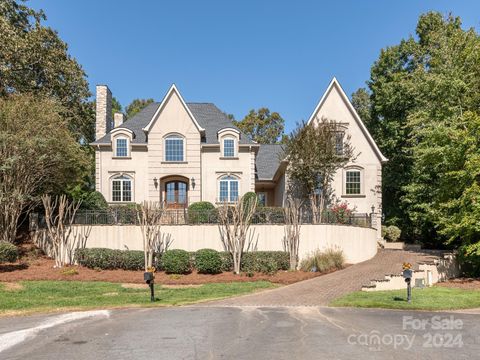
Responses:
[322,290]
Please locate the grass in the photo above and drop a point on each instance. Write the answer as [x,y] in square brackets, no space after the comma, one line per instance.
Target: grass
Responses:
[45,296]
[434,298]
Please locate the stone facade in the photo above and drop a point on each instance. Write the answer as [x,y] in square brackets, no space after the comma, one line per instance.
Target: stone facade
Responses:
[103,121]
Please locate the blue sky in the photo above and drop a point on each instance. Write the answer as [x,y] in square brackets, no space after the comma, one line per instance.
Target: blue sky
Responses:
[238,54]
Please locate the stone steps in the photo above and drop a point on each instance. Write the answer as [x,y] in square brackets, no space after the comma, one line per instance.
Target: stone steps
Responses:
[443,266]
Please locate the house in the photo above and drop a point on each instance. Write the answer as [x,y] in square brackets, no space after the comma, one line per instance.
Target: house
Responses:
[180,153]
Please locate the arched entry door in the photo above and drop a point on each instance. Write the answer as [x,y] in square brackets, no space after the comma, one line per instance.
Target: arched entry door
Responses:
[176,194]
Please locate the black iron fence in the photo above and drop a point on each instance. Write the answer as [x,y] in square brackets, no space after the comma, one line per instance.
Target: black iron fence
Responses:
[271,215]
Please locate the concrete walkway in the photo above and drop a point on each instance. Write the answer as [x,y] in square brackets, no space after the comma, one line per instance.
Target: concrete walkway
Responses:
[322,290]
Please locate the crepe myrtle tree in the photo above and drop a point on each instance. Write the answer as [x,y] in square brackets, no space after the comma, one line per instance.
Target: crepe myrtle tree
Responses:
[149,216]
[293,212]
[315,152]
[234,224]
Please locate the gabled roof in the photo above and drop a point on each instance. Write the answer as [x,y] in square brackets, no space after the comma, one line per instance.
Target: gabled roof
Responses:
[173,89]
[335,83]
[268,160]
[208,117]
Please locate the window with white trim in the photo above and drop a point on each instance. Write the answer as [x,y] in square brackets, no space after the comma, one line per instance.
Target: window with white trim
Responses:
[353,182]
[339,139]
[121,147]
[262,198]
[228,189]
[174,148]
[228,147]
[122,189]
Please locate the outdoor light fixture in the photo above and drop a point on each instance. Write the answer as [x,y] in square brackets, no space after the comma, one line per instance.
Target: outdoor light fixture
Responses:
[155,182]
[373,209]
[192,181]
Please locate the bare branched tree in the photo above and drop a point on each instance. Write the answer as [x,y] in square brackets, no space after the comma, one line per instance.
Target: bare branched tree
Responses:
[80,235]
[315,152]
[234,225]
[150,217]
[293,221]
[59,216]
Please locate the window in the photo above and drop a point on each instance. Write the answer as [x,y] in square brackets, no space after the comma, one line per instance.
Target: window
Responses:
[339,142]
[122,189]
[121,147]
[352,182]
[229,147]
[262,198]
[174,148]
[228,190]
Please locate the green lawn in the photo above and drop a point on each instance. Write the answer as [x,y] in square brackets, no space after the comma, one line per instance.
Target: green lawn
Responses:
[55,295]
[434,298]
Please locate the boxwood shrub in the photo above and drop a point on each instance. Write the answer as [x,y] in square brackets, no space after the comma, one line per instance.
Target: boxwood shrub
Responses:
[267,262]
[176,262]
[208,261]
[202,212]
[109,259]
[8,252]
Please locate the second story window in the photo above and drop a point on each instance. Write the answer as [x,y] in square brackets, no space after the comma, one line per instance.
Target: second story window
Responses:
[228,147]
[228,189]
[174,148]
[352,182]
[121,147]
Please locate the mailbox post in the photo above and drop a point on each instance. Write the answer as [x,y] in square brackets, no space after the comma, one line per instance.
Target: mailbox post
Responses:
[408,274]
[149,278]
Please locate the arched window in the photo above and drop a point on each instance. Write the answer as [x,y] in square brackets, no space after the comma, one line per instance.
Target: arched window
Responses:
[121,189]
[229,147]
[228,189]
[174,148]
[353,181]
[121,147]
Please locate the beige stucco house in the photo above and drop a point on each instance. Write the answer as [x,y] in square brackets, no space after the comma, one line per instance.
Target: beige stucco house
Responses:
[180,153]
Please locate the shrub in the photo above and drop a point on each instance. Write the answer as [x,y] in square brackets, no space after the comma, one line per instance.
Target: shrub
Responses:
[267,262]
[227,261]
[202,212]
[469,260]
[323,261]
[8,252]
[342,213]
[269,215]
[176,261]
[208,261]
[392,233]
[109,259]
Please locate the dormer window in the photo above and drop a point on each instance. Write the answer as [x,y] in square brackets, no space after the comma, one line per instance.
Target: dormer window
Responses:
[229,147]
[121,147]
[174,148]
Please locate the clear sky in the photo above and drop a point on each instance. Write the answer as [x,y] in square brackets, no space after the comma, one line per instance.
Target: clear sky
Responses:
[238,54]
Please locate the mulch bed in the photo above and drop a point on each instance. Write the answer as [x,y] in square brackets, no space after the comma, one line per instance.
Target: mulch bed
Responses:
[461,283]
[42,269]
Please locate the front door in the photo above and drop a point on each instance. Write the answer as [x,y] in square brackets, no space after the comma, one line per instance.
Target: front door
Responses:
[176,194]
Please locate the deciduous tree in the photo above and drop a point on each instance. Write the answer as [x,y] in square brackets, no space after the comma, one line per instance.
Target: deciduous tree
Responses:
[136,106]
[262,126]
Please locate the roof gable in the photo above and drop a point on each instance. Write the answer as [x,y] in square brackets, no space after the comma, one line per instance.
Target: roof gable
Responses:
[171,92]
[335,87]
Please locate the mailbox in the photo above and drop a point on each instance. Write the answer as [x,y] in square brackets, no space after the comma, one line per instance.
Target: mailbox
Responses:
[407,274]
[148,277]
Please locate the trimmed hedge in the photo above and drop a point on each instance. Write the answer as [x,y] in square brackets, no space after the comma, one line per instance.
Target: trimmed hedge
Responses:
[202,212]
[265,261]
[176,262]
[109,259]
[8,252]
[208,261]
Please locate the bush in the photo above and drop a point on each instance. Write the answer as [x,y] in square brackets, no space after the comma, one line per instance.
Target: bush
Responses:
[469,260]
[266,262]
[8,252]
[227,261]
[269,215]
[109,259]
[208,261]
[176,262]
[323,261]
[391,233]
[202,212]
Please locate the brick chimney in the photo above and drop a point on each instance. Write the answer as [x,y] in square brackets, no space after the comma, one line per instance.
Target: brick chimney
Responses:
[103,122]
[118,119]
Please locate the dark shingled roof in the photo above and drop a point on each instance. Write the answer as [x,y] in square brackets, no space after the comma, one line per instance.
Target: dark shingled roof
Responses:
[267,161]
[209,117]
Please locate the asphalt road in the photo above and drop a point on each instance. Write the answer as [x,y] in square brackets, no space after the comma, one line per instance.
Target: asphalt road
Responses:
[248,333]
